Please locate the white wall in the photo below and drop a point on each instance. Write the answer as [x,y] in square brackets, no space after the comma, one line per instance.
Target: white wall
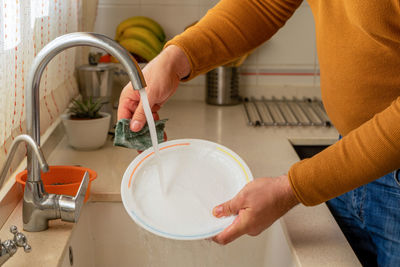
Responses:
[287,59]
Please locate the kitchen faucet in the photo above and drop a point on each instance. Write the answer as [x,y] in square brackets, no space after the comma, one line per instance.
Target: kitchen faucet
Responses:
[38,206]
[35,149]
[9,247]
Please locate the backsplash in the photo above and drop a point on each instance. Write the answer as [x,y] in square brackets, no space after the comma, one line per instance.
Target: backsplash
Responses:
[288,59]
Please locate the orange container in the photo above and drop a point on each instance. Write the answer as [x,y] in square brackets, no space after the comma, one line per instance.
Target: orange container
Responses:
[61,180]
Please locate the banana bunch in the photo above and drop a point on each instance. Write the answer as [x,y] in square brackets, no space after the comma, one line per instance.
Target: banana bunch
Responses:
[141,36]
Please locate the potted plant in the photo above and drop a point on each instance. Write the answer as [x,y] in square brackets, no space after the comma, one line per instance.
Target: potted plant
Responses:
[85,125]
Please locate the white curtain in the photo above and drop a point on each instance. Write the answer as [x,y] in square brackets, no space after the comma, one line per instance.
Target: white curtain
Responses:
[26,26]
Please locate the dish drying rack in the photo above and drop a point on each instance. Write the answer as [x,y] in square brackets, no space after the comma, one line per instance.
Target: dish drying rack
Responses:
[285,112]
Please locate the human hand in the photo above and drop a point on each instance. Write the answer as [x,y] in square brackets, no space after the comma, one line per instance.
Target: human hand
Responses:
[162,76]
[259,204]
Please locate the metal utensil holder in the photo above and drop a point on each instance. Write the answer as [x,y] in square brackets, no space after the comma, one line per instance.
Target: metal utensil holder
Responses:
[96,82]
[223,86]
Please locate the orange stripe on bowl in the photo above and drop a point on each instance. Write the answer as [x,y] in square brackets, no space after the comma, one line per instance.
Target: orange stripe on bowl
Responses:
[140,162]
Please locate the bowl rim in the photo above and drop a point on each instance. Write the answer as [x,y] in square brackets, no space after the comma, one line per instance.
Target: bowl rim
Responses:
[128,178]
[21,176]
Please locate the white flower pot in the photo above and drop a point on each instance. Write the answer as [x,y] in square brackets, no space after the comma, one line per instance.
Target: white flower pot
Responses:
[87,134]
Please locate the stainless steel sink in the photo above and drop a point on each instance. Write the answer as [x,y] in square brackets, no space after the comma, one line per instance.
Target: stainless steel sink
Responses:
[106,236]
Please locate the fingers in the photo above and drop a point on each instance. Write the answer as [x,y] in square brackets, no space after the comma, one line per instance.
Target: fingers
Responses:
[156,116]
[259,204]
[231,207]
[138,118]
[238,227]
[154,110]
[131,107]
[126,108]
[233,231]
[128,102]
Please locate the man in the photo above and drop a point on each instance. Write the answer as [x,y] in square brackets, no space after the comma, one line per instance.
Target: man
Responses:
[358,46]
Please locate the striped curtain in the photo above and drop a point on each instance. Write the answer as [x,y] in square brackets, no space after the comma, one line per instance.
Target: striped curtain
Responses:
[26,26]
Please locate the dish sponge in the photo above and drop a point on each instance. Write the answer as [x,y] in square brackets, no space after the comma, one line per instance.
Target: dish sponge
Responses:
[138,140]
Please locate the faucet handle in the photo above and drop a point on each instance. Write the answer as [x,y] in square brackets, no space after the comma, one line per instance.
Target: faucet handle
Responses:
[20,239]
[70,207]
[80,195]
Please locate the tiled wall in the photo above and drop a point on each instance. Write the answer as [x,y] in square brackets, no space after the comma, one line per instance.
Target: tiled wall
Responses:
[287,59]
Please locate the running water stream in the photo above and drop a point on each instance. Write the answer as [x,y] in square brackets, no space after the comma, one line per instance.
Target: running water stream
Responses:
[153,135]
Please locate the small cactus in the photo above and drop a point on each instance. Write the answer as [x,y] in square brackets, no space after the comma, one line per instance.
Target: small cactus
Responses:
[86,109]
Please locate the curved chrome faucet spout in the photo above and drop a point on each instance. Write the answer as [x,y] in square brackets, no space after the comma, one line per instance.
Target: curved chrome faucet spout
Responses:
[44,57]
[38,206]
[35,148]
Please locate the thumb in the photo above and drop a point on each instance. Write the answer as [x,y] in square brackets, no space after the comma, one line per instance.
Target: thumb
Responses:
[231,207]
[138,118]
[233,231]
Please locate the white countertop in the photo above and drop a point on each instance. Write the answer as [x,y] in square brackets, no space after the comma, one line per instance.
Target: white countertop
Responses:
[312,233]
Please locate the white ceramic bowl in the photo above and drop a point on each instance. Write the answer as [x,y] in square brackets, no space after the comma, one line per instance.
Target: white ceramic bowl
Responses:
[199,175]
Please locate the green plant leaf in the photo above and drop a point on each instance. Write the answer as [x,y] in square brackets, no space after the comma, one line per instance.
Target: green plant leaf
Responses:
[86,108]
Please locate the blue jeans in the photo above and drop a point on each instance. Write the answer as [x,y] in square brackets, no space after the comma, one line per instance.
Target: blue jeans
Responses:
[369,217]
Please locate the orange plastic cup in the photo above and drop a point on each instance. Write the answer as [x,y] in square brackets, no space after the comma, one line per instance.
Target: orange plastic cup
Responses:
[61,180]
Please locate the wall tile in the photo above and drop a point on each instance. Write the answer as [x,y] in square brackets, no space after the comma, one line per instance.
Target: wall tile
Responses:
[292,49]
[305,3]
[202,11]
[108,17]
[316,81]
[198,81]
[248,76]
[293,44]
[170,2]
[205,6]
[186,91]
[285,80]
[119,2]
[252,59]
[172,18]
[208,3]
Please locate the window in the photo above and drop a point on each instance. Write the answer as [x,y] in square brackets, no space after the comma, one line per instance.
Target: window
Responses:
[25,28]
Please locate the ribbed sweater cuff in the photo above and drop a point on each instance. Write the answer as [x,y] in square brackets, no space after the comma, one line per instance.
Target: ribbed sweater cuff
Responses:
[192,74]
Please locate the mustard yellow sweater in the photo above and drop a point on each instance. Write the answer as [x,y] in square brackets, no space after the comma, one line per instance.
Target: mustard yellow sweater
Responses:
[358,43]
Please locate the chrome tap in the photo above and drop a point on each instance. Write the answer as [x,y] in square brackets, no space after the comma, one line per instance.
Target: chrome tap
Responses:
[9,247]
[34,147]
[38,206]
